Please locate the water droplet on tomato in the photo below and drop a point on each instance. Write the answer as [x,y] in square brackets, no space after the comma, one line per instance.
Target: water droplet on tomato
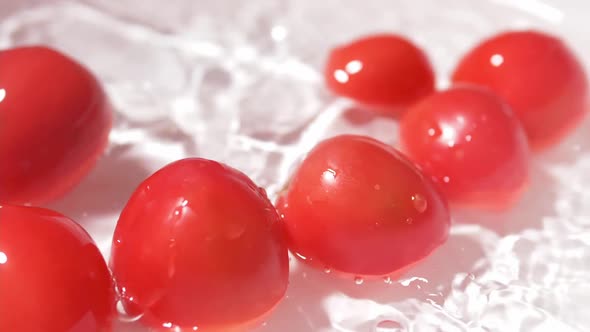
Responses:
[420,203]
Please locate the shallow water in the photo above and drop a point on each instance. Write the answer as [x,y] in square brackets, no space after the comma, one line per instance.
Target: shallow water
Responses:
[240,82]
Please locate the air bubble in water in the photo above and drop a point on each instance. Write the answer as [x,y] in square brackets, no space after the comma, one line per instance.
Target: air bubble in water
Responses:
[359,280]
[389,326]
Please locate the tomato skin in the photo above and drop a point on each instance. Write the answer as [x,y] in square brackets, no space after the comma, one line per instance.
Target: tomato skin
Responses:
[359,207]
[199,244]
[469,140]
[385,71]
[52,276]
[54,124]
[538,75]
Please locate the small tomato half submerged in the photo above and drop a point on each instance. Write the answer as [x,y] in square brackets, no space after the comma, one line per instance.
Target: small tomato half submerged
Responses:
[199,245]
[358,206]
[54,124]
[471,143]
[52,275]
[538,75]
[384,71]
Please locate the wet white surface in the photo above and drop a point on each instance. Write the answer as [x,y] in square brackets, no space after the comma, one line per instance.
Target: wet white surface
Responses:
[240,82]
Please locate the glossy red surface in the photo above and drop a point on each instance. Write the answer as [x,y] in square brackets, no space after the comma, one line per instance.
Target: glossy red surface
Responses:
[469,140]
[54,124]
[538,75]
[357,206]
[199,244]
[385,71]
[52,276]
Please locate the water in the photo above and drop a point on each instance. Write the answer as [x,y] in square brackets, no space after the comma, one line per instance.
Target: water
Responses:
[240,82]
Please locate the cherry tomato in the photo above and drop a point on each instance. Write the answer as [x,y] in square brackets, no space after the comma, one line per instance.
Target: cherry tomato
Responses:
[385,71]
[469,140]
[54,124]
[199,245]
[359,207]
[538,75]
[52,276]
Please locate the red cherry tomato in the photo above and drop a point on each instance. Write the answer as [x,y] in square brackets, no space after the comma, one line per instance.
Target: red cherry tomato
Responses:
[199,245]
[54,124]
[538,75]
[52,275]
[384,71]
[469,140]
[357,206]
